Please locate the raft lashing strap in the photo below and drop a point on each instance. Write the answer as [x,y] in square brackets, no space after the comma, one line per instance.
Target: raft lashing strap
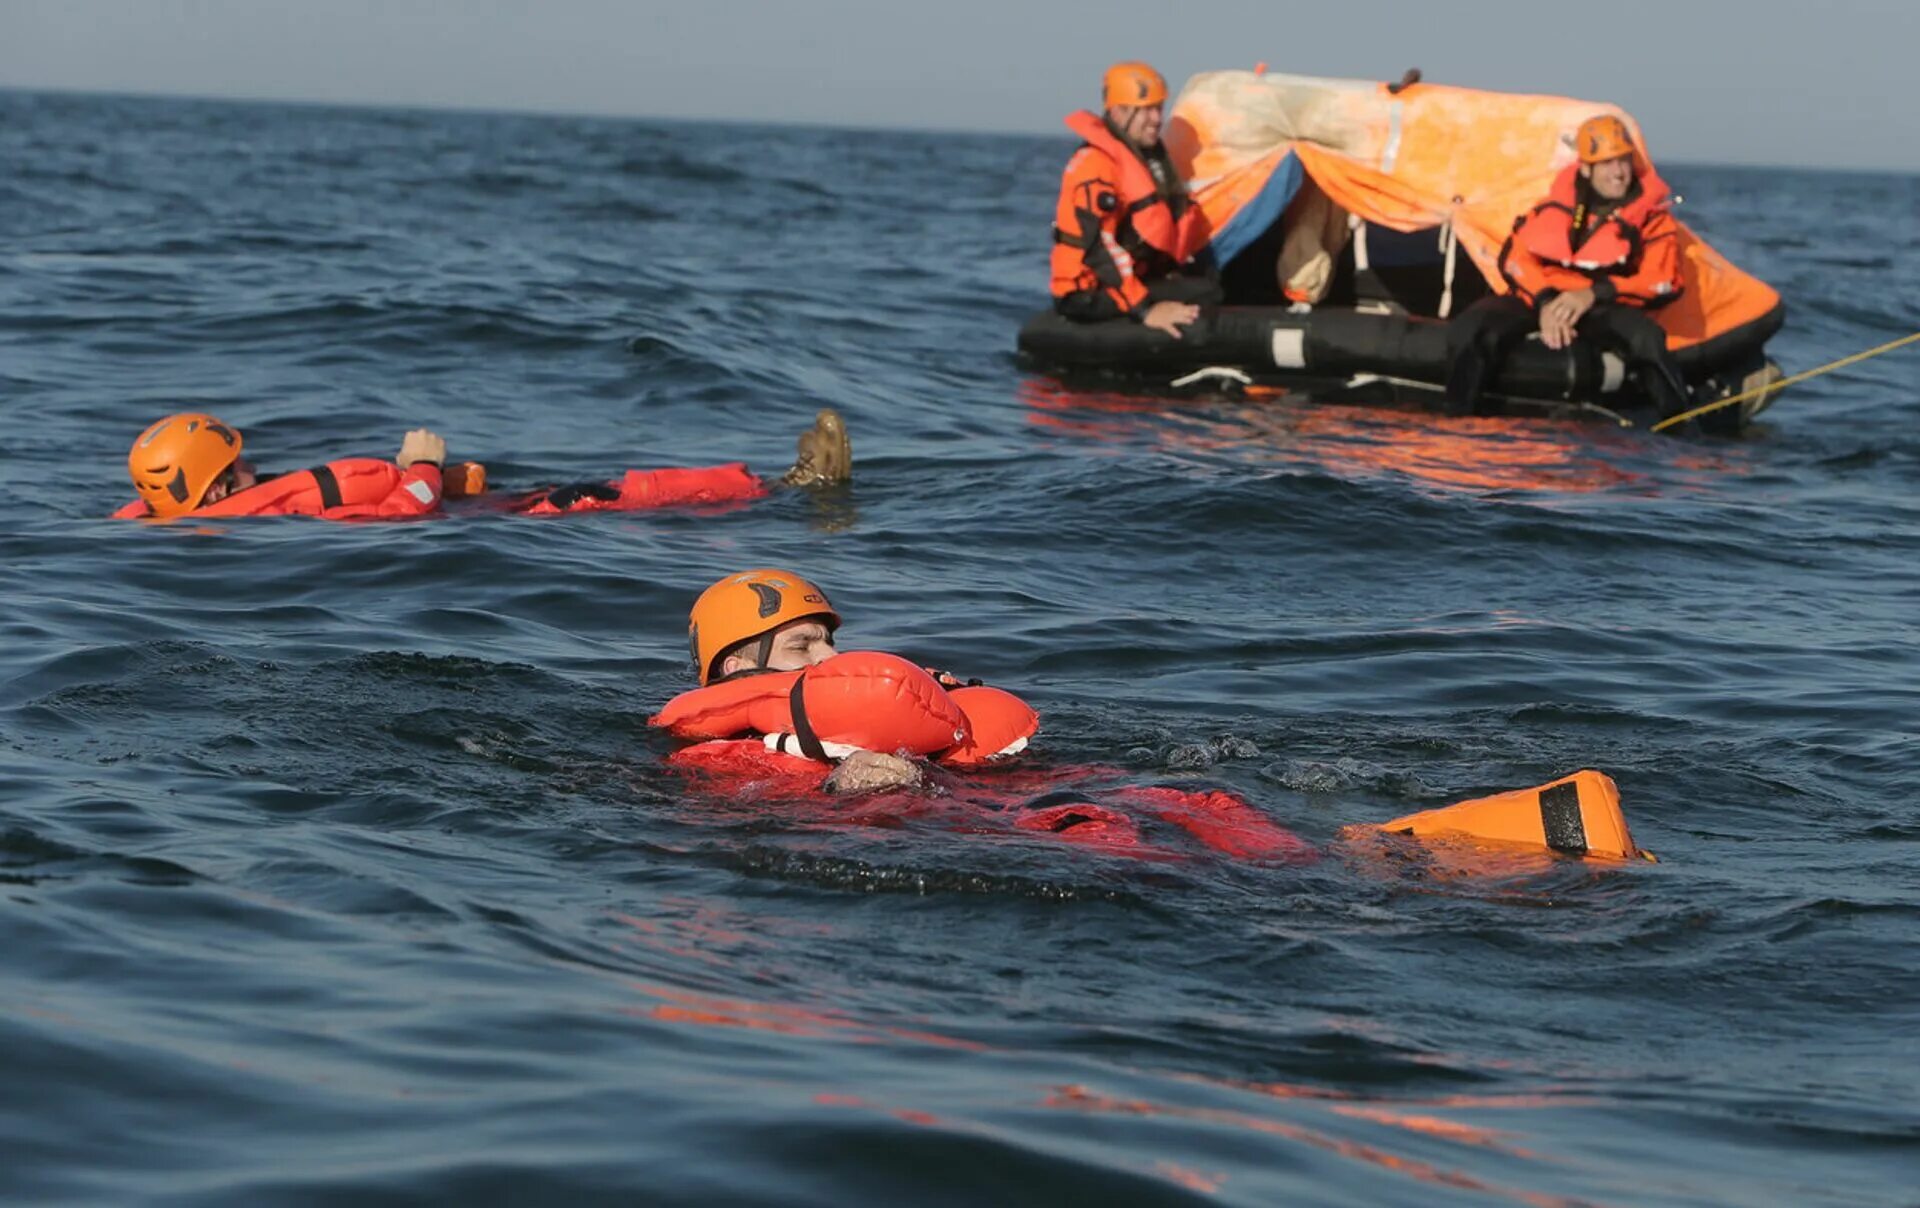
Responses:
[802,728]
[1560,818]
[1783,383]
[1450,245]
[329,484]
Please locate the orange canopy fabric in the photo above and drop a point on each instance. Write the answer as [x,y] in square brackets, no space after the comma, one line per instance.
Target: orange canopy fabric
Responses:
[1426,156]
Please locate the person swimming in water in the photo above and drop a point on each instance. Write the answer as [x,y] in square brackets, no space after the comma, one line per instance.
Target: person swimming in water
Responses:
[192,464]
[778,702]
[759,621]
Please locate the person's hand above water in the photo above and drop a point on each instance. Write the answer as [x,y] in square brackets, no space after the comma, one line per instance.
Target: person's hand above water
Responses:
[1170,317]
[872,771]
[422,445]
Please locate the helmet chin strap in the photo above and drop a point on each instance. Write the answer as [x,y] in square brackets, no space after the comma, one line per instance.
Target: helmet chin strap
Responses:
[766,650]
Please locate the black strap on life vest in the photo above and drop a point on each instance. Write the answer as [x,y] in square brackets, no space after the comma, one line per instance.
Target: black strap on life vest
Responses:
[329,485]
[802,728]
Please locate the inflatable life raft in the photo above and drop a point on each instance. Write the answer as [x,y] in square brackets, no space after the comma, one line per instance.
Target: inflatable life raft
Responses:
[1351,220]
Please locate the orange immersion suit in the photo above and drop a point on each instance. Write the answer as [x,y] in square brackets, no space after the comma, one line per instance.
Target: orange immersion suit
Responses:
[1629,258]
[1123,229]
[366,488]
[353,488]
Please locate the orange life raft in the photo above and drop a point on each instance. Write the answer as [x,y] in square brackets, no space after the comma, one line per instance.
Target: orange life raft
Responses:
[1383,210]
[863,699]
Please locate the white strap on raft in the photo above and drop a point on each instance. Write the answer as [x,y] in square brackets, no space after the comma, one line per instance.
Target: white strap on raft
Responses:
[1450,246]
[788,744]
[1214,373]
[1358,226]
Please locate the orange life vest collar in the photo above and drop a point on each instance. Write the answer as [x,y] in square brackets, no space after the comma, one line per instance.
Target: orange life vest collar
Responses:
[1094,131]
[1138,181]
[1548,231]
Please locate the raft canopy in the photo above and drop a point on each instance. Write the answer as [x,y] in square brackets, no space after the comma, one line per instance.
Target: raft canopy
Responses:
[1328,160]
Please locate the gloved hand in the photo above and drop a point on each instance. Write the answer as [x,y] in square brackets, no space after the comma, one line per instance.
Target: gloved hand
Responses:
[947,679]
[571,494]
[872,771]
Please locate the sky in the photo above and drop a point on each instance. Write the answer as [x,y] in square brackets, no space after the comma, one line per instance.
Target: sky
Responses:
[1711,81]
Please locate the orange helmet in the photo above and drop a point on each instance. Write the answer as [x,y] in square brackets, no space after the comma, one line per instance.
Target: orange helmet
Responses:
[176,460]
[1132,84]
[749,605]
[1602,138]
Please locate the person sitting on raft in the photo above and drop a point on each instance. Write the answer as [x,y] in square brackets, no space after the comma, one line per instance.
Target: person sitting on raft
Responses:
[191,464]
[1588,262]
[1125,235]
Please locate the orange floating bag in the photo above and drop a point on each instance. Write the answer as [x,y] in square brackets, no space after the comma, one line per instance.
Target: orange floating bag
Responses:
[1578,815]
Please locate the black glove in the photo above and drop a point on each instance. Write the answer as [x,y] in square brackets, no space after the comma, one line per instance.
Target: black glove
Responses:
[566,497]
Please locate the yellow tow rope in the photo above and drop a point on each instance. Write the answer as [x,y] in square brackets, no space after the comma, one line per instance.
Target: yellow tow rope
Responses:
[1783,383]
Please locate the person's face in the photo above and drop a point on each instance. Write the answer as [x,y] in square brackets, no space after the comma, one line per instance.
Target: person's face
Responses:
[237,477]
[796,644]
[1611,178]
[1139,123]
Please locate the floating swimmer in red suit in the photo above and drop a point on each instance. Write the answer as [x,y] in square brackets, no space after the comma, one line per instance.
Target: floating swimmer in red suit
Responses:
[763,645]
[191,464]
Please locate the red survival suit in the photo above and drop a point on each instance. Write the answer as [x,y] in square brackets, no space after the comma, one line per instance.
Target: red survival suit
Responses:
[874,701]
[353,488]
[641,489]
[1122,224]
[366,488]
[1631,257]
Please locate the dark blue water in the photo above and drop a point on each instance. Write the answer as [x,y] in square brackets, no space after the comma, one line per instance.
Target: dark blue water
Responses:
[338,861]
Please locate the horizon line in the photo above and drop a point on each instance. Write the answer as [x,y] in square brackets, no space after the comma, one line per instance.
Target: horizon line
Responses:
[448,107]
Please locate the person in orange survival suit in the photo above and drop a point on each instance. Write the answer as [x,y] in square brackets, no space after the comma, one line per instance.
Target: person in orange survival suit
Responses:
[191,463]
[1126,239]
[1588,262]
[759,623]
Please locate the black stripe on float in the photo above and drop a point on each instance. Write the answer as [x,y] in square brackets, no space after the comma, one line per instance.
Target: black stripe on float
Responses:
[1560,815]
[329,486]
[802,728]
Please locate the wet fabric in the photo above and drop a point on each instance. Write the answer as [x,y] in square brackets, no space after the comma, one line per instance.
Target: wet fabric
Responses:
[1089,806]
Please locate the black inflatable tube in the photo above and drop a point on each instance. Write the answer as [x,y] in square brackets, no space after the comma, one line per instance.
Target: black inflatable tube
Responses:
[1335,342]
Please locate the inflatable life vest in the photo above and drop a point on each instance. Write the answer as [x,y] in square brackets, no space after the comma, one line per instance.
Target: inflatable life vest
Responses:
[1116,228]
[1631,256]
[353,488]
[862,700]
